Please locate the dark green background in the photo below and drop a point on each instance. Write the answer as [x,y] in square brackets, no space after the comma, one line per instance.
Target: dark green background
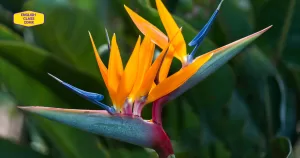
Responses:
[246,109]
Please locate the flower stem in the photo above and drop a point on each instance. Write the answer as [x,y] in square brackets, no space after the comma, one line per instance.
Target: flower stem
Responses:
[157,110]
[165,151]
[162,144]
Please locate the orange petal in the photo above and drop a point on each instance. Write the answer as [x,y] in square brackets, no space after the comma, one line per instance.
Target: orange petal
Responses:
[172,28]
[155,68]
[165,67]
[151,74]
[146,54]
[102,67]
[153,86]
[115,68]
[147,28]
[145,59]
[174,81]
[129,76]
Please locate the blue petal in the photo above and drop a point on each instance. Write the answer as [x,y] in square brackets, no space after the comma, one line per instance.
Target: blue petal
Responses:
[200,36]
[92,97]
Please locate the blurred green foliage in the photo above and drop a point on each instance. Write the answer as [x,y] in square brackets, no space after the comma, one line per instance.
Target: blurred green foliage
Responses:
[248,108]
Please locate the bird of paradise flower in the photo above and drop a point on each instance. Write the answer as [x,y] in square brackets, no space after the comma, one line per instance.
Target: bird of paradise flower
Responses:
[142,82]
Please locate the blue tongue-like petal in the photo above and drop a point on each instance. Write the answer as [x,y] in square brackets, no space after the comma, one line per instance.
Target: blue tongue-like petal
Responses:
[92,97]
[201,35]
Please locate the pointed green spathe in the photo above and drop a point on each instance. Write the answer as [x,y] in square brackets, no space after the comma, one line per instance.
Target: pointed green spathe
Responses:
[221,56]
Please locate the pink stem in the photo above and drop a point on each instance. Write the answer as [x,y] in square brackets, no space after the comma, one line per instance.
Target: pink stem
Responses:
[127,108]
[137,108]
[157,110]
[162,143]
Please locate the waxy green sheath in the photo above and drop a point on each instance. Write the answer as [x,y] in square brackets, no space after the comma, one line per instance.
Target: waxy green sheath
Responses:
[129,129]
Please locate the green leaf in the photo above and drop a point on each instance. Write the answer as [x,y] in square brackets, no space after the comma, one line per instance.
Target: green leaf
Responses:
[231,124]
[72,143]
[270,93]
[256,69]
[11,150]
[8,34]
[37,63]
[289,112]
[221,56]
[242,134]
[195,137]
[241,24]
[124,153]
[281,147]
[283,39]
[193,112]
[68,38]
[262,88]
[89,6]
[6,99]
[257,5]
[13,5]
